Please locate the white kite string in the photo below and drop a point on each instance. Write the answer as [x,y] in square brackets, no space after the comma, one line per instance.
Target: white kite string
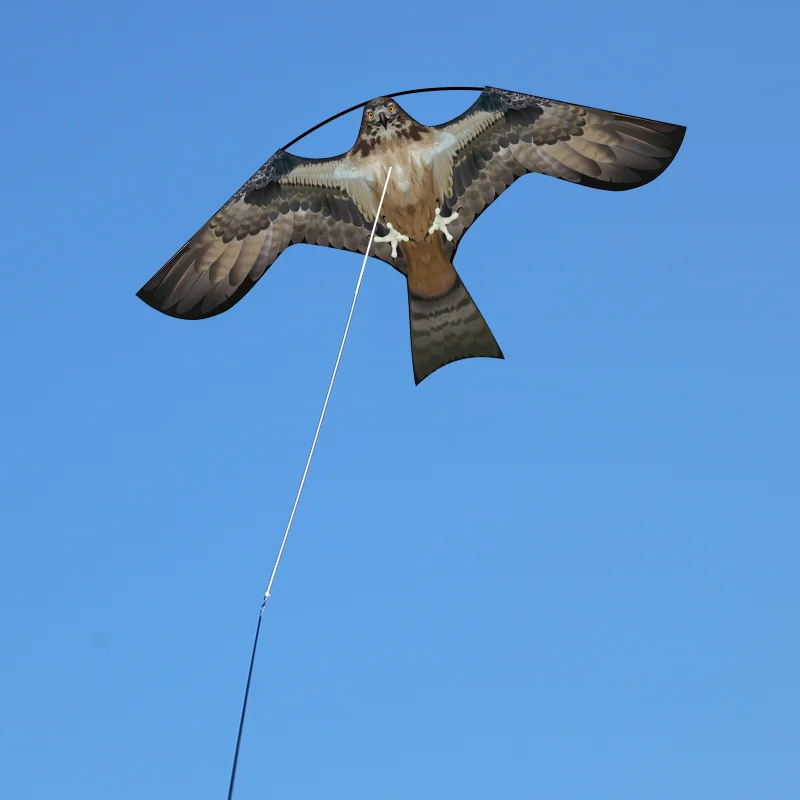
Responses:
[302,484]
[330,389]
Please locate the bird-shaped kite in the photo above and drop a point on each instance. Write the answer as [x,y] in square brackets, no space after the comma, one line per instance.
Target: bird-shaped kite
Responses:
[443,178]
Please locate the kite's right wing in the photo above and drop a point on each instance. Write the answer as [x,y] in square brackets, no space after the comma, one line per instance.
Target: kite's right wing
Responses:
[290,200]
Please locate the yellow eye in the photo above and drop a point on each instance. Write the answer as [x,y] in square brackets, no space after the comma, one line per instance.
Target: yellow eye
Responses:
[391,109]
[370,115]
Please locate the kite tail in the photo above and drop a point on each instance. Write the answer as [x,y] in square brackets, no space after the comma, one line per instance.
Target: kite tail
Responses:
[447,329]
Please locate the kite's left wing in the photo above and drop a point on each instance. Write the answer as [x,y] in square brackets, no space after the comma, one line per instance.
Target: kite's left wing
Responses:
[290,200]
[505,135]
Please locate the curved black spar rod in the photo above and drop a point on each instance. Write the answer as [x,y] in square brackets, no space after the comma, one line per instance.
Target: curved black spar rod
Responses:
[445,176]
[391,94]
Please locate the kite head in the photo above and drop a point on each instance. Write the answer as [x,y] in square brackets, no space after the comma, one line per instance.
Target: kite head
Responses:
[384,120]
[381,112]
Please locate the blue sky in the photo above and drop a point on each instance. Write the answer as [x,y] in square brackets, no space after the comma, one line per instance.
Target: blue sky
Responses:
[570,574]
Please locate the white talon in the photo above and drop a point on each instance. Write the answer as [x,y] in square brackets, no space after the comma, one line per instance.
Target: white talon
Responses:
[441,223]
[393,237]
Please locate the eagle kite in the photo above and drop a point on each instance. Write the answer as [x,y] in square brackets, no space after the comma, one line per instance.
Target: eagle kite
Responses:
[443,178]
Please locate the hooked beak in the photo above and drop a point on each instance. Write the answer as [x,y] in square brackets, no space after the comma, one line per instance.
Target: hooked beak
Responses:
[383,119]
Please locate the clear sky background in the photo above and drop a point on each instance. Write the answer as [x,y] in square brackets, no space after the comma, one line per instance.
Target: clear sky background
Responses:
[571,574]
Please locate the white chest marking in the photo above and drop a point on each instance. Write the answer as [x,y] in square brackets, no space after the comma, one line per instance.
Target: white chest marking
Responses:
[401,178]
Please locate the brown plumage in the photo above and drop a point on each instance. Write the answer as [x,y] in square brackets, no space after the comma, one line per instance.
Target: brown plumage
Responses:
[459,168]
